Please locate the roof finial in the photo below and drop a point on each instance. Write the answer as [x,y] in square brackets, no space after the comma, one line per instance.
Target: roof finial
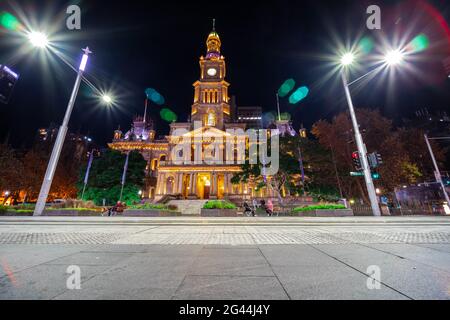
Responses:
[214,25]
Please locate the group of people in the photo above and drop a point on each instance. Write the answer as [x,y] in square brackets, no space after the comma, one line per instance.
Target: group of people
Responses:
[251,210]
[117,208]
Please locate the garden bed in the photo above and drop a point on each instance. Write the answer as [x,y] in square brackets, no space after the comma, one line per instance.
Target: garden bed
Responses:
[327,213]
[218,212]
[323,210]
[71,213]
[218,208]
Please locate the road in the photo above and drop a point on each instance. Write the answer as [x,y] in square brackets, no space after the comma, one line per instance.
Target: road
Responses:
[225,258]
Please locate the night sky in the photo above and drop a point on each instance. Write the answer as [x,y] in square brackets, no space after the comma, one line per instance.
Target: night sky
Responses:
[141,44]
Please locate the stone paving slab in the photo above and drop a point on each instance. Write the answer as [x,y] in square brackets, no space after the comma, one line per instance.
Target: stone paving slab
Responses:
[413,279]
[230,288]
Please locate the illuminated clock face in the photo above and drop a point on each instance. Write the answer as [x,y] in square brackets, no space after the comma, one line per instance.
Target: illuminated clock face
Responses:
[212,72]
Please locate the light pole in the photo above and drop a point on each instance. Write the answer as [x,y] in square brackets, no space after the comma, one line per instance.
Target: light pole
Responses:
[436,168]
[391,58]
[52,164]
[362,150]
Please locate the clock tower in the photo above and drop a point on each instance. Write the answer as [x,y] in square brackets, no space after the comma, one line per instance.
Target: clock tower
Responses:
[211,101]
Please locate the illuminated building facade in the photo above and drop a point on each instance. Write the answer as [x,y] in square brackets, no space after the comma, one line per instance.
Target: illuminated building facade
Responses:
[193,161]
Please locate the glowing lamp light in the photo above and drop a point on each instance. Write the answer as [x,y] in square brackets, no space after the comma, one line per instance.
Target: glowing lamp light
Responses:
[107,99]
[347,59]
[38,39]
[393,57]
[83,63]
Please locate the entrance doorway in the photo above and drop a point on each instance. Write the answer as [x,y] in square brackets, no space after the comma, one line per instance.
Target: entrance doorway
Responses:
[204,185]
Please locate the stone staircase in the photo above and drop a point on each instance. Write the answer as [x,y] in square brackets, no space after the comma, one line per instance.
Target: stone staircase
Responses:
[188,207]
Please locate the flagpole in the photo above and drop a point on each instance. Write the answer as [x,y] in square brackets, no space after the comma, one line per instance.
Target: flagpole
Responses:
[124,175]
[88,169]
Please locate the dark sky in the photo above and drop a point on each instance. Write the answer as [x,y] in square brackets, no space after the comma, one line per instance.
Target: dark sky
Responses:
[140,44]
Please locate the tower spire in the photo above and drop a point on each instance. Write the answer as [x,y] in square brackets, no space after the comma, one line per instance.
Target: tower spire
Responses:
[214,25]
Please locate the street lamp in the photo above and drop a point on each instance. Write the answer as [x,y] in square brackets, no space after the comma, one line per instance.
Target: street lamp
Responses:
[347,59]
[53,162]
[393,57]
[38,39]
[107,99]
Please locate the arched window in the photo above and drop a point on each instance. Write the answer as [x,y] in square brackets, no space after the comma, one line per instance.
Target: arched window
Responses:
[211,119]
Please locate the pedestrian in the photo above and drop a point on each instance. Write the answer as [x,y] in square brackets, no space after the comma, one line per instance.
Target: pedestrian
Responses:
[269,208]
[255,204]
[248,210]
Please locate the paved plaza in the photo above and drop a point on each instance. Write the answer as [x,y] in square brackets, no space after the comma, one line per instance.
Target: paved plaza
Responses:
[225,258]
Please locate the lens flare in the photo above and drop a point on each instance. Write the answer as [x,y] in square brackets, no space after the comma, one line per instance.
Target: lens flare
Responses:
[393,57]
[286,87]
[347,59]
[154,96]
[298,95]
[38,39]
[8,21]
[106,98]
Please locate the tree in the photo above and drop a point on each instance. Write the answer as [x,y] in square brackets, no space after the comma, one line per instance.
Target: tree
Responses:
[288,180]
[106,174]
[10,170]
[403,150]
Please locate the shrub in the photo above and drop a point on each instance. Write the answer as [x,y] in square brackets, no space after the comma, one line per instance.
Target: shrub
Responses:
[325,206]
[152,206]
[219,204]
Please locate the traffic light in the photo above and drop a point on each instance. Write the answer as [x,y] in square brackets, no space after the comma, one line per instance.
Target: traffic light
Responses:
[356,160]
[379,159]
[8,79]
[446,181]
[374,159]
[375,175]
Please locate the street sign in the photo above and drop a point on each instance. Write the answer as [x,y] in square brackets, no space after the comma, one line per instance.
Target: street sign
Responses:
[356,174]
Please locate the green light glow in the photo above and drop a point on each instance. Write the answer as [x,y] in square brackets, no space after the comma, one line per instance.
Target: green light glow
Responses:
[168,115]
[366,45]
[419,43]
[298,95]
[8,21]
[286,87]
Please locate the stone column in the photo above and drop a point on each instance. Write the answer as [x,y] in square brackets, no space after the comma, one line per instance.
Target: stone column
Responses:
[225,184]
[192,185]
[180,183]
[160,185]
[214,186]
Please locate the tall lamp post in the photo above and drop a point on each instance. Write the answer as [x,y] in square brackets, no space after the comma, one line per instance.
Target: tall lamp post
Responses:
[362,151]
[51,168]
[392,57]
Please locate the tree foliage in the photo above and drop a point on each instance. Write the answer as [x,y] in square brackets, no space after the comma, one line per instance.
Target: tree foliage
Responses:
[317,164]
[106,175]
[404,152]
